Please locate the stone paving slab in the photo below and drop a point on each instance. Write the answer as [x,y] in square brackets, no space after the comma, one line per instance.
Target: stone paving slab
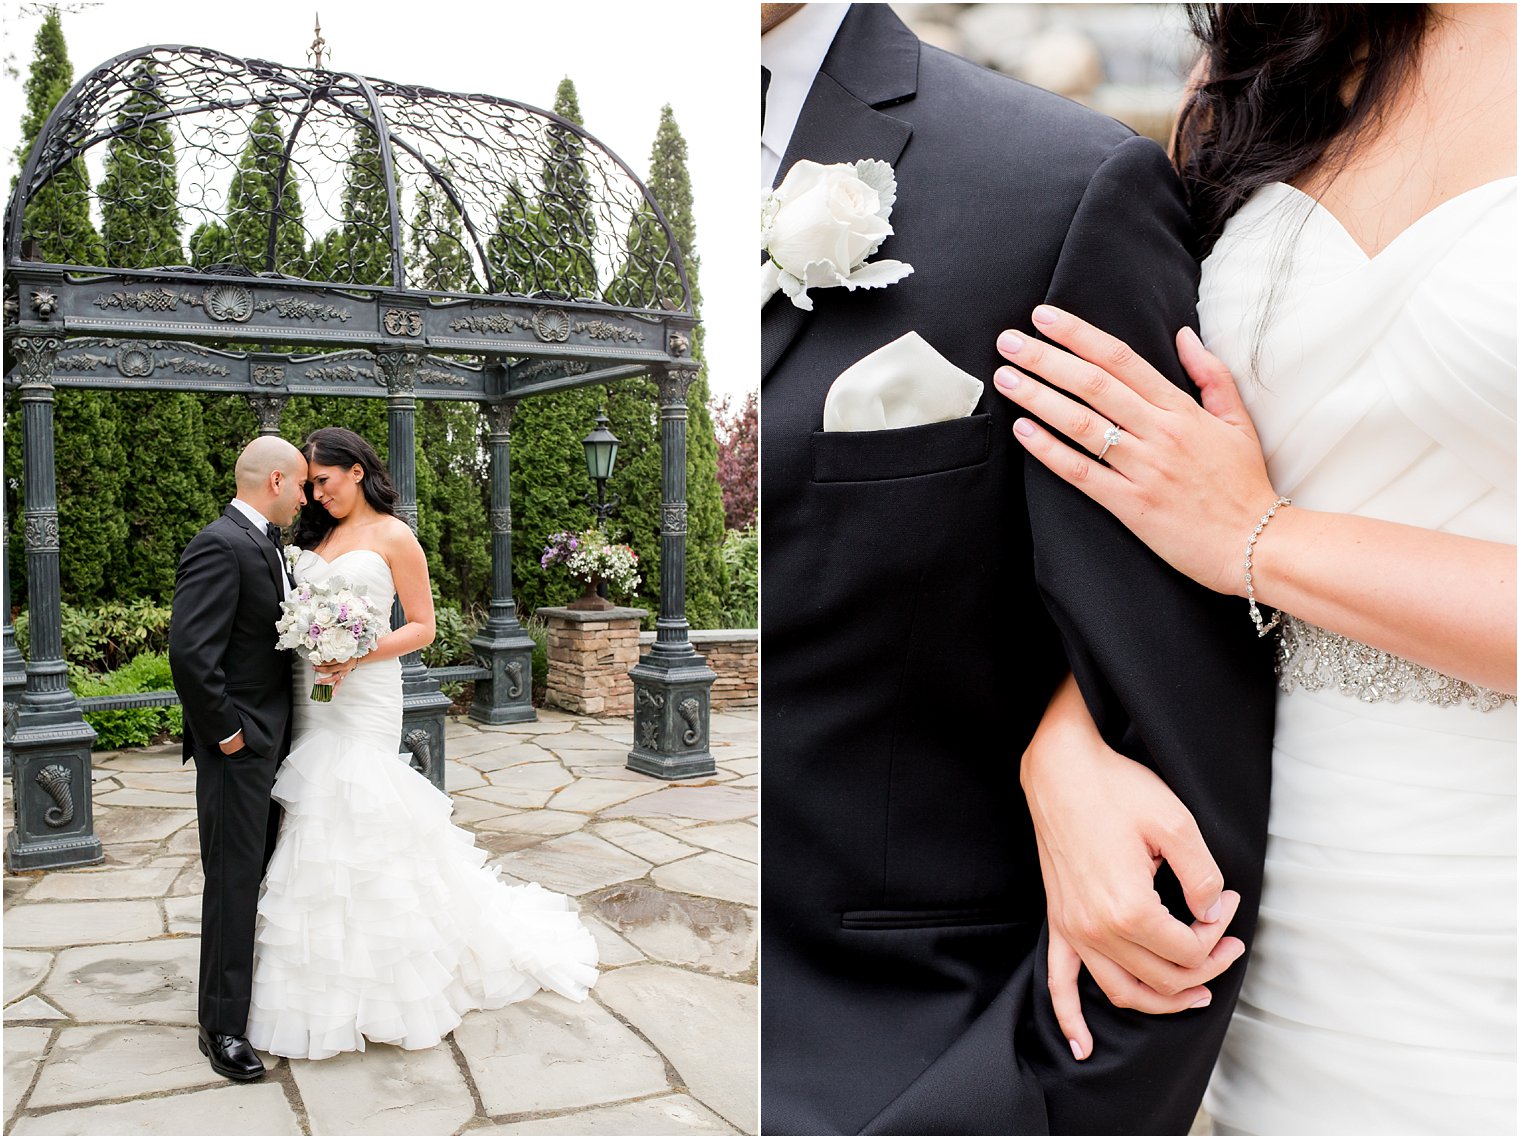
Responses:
[79,923]
[101,962]
[250,1109]
[665,1115]
[374,1092]
[703,1025]
[116,1061]
[548,1053]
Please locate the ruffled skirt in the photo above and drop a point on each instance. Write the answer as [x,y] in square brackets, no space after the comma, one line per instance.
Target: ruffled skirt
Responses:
[378,918]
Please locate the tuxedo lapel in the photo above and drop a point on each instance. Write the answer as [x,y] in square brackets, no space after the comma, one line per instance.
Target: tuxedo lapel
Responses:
[873,63]
[266,548]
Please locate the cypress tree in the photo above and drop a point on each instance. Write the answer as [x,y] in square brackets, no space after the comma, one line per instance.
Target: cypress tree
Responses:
[169,493]
[547,244]
[89,458]
[635,402]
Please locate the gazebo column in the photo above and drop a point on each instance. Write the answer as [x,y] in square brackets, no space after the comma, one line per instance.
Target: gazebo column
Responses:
[423,703]
[672,683]
[50,745]
[501,645]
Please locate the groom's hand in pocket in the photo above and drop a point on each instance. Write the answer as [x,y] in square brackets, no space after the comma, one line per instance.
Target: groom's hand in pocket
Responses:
[1104,824]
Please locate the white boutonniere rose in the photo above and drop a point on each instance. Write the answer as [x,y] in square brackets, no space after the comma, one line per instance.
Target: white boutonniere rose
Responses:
[821,224]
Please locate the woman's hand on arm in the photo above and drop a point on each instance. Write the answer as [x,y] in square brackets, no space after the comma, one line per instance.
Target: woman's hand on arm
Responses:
[1104,824]
[1191,483]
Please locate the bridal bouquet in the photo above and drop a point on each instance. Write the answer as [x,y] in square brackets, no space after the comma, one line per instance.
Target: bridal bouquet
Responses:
[329,621]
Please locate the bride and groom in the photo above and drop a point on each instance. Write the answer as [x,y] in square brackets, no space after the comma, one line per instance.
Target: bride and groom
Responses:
[1020,730]
[340,904]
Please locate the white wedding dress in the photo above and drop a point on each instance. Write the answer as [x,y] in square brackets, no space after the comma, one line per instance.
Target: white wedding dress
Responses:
[378,918]
[1380,995]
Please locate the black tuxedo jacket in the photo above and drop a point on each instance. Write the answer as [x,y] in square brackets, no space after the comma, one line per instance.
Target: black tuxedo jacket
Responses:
[924,589]
[228,674]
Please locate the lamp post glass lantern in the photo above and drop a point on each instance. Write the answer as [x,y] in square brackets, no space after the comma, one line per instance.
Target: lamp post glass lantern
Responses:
[601,453]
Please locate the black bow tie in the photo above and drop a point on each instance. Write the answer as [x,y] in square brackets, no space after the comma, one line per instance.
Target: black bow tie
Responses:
[765,85]
[274,536]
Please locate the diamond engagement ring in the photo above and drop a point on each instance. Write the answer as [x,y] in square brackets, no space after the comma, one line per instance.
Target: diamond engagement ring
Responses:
[1110,437]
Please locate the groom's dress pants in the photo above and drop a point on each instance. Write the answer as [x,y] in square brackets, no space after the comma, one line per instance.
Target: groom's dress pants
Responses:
[239,822]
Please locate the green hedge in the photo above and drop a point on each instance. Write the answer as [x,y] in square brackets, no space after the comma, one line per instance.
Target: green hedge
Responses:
[131,727]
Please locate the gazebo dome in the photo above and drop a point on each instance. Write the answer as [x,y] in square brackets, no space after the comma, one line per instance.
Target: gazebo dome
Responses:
[195,163]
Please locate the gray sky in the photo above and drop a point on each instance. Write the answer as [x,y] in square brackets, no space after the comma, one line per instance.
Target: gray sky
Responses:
[627,61]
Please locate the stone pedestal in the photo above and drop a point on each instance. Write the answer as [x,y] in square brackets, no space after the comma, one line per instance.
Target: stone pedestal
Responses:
[590,653]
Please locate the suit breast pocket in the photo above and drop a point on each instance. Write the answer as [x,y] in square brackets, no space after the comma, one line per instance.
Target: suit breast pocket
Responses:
[901,452]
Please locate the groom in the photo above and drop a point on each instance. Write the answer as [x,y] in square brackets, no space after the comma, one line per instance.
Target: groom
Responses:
[924,590]
[235,688]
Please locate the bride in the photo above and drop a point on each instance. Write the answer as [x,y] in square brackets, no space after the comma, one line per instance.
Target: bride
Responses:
[1352,169]
[377,918]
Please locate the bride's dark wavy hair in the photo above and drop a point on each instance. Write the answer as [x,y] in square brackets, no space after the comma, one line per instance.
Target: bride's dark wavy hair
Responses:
[1270,101]
[340,447]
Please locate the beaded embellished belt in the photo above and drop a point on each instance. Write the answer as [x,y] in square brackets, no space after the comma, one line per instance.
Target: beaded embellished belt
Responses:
[1312,658]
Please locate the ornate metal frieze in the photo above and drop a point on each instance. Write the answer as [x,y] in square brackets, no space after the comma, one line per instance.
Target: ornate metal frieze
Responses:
[188,367]
[499,322]
[227,302]
[343,373]
[36,357]
[606,330]
[674,381]
[41,531]
[551,325]
[403,322]
[54,779]
[679,344]
[44,303]
[437,376]
[82,362]
[535,368]
[501,521]
[134,361]
[268,375]
[672,517]
[223,303]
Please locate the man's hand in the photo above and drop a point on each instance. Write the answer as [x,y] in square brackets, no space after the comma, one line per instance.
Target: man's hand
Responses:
[235,744]
[1104,824]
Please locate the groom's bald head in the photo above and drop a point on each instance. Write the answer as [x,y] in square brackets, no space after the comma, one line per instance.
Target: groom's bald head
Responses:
[270,474]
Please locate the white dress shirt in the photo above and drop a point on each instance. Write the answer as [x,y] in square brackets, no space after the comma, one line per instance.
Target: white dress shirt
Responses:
[793,51]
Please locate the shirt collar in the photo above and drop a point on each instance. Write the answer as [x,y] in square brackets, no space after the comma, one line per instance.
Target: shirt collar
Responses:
[793,50]
[252,515]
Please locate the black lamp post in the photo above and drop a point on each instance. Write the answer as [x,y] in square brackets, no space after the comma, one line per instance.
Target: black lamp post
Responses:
[601,453]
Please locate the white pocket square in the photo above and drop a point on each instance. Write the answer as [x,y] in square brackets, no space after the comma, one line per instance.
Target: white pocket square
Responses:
[901,384]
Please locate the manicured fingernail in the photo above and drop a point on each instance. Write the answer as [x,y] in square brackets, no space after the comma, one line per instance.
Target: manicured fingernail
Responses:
[1006,379]
[1076,1050]
[1011,343]
[1044,314]
[1024,427]
[1203,1001]
[1214,911]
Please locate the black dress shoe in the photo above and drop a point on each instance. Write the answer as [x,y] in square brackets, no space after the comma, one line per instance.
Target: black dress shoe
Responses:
[231,1056]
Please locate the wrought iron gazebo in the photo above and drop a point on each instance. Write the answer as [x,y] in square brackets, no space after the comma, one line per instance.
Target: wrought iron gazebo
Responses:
[353,237]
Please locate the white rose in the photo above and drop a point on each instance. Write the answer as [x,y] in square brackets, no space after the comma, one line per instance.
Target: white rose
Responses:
[821,224]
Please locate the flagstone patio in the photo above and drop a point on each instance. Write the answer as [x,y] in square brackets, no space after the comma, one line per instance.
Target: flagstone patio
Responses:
[100,962]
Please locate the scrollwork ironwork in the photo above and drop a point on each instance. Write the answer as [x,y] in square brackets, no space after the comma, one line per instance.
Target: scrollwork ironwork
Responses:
[36,357]
[501,521]
[398,371]
[403,322]
[605,330]
[267,409]
[268,375]
[672,517]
